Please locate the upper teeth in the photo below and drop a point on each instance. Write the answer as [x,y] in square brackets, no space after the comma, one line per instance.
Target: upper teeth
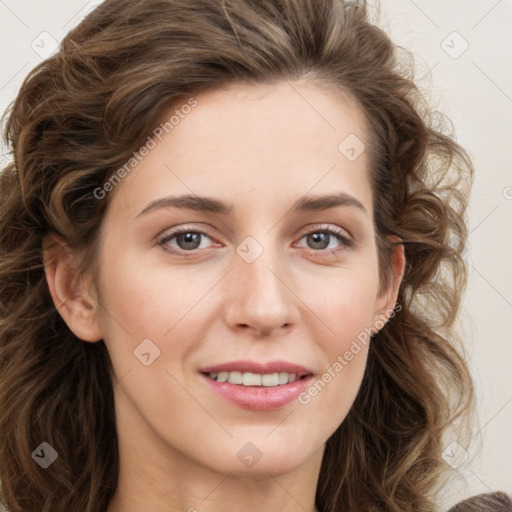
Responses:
[254,379]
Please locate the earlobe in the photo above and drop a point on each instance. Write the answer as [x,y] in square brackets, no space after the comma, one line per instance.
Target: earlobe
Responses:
[386,302]
[70,291]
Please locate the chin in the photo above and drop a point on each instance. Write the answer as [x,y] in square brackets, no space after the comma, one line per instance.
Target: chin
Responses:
[261,457]
[271,465]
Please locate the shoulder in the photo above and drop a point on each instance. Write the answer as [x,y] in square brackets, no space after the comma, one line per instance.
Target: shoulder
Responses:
[491,502]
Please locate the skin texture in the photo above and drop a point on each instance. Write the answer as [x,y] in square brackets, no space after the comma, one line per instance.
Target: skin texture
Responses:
[260,148]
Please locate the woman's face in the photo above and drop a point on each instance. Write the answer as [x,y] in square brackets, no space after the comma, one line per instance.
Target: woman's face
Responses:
[244,283]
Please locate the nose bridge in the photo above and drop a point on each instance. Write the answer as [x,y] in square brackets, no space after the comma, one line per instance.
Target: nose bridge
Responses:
[258,294]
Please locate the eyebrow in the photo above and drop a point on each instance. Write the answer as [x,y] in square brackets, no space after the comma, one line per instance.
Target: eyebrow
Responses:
[217,206]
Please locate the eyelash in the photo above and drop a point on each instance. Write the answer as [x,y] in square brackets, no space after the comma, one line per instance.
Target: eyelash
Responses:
[345,241]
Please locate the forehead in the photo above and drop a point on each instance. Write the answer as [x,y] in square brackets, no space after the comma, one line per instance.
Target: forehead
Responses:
[244,141]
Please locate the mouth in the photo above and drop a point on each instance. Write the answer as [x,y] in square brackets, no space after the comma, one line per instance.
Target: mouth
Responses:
[256,386]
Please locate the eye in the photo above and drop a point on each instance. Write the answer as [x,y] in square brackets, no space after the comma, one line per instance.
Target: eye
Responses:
[184,239]
[321,240]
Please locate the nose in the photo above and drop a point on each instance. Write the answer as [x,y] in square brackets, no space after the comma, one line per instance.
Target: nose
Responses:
[259,295]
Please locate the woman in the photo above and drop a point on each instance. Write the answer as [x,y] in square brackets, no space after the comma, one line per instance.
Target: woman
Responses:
[231,241]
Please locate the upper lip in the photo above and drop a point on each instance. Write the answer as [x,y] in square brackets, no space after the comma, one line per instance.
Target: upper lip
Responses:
[256,367]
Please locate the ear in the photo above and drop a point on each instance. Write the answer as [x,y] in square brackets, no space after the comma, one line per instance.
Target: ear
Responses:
[386,299]
[73,294]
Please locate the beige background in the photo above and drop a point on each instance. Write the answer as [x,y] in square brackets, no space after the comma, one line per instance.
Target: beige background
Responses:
[473,86]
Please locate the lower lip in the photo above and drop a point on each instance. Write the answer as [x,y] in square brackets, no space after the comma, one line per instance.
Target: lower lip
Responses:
[259,398]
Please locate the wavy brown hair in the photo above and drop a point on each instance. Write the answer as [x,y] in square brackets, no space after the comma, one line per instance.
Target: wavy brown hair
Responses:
[78,118]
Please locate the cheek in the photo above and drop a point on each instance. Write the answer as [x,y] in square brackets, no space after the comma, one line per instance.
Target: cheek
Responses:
[171,308]
[146,301]
[346,304]
[347,310]
[344,354]
[147,311]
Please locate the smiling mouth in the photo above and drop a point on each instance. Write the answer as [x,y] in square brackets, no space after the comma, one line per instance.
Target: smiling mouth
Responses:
[266,387]
[256,379]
